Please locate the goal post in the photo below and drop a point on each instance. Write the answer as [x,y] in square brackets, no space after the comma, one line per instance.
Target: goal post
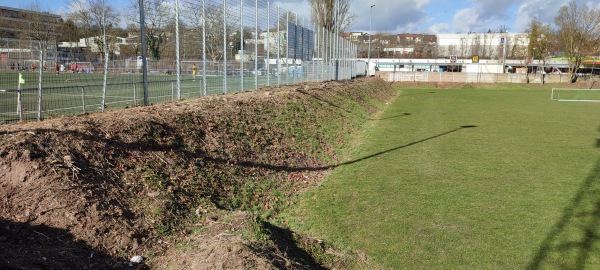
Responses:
[575,94]
[82,67]
[29,64]
[213,68]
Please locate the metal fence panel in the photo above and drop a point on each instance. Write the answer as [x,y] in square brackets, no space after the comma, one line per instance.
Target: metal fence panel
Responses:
[214,47]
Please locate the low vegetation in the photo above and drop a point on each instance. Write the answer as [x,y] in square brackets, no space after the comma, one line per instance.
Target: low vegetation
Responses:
[92,191]
[470,177]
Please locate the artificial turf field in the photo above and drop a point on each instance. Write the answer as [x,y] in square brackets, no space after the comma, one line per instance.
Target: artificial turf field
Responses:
[77,93]
[491,177]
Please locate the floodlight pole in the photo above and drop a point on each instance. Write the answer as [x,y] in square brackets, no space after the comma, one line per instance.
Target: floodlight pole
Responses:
[369,52]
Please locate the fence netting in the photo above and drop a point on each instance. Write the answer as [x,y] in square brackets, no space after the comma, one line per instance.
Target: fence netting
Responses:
[202,48]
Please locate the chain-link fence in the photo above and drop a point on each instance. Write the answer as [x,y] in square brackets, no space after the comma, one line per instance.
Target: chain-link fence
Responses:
[204,48]
[16,54]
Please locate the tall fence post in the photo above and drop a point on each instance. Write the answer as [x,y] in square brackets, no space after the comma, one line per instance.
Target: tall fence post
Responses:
[287,48]
[294,77]
[242,45]
[204,47]
[177,56]
[20,104]
[144,60]
[303,77]
[255,44]
[134,94]
[323,57]
[268,37]
[83,99]
[278,48]
[224,46]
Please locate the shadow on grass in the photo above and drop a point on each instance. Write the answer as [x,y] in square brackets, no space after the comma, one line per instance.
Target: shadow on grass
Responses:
[153,146]
[417,94]
[404,146]
[574,241]
[24,246]
[326,101]
[286,243]
[328,167]
[344,112]
[391,117]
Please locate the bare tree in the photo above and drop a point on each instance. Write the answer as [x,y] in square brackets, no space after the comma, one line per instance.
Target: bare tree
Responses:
[95,19]
[213,25]
[464,44]
[540,38]
[191,20]
[517,46]
[333,15]
[69,32]
[489,51]
[452,50]
[578,33]
[159,15]
[42,28]
[503,29]
[478,46]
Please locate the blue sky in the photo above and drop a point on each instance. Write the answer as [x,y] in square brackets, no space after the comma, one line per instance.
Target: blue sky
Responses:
[398,16]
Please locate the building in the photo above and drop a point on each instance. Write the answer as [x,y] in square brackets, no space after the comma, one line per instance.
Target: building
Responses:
[115,44]
[483,45]
[19,30]
[384,45]
[421,46]
[22,24]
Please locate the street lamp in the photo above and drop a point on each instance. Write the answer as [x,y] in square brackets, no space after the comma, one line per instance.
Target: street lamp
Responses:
[369,52]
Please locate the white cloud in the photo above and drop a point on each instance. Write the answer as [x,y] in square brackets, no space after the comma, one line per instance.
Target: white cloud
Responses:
[544,10]
[484,15]
[389,15]
[438,28]
[298,7]
[464,19]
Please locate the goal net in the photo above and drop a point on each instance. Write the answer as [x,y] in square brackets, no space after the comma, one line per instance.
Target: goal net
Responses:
[82,67]
[30,64]
[574,94]
[212,68]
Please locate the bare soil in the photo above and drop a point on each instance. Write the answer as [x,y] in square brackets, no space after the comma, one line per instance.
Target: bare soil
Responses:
[187,185]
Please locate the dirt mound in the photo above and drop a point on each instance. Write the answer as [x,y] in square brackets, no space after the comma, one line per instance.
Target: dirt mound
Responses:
[135,181]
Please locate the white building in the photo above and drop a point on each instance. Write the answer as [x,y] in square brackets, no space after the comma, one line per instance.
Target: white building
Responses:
[93,43]
[484,45]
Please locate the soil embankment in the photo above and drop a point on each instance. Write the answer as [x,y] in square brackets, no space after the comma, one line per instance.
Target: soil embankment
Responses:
[89,192]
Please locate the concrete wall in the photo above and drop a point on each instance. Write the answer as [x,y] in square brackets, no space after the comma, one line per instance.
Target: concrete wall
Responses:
[469,77]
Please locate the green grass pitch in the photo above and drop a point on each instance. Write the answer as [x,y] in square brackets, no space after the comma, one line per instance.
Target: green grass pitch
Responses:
[77,93]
